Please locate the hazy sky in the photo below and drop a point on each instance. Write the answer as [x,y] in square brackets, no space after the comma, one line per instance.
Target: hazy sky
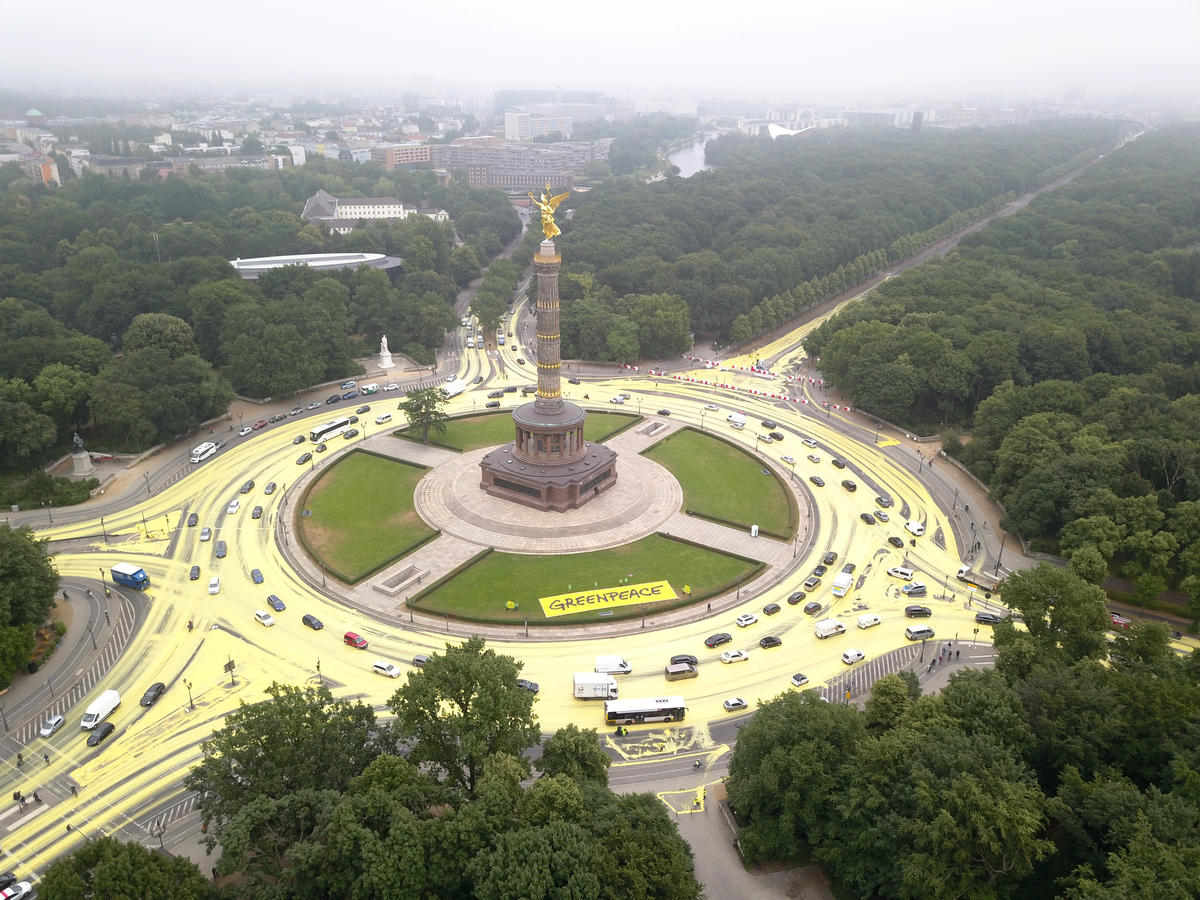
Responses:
[868,50]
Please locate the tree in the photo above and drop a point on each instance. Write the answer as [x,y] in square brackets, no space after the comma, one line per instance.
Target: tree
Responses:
[300,738]
[159,330]
[888,703]
[425,409]
[1089,564]
[461,708]
[28,581]
[575,753]
[105,866]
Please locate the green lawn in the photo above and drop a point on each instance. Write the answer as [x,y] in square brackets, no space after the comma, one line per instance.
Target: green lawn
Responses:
[725,483]
[490,429]
[362,515]
[481,590]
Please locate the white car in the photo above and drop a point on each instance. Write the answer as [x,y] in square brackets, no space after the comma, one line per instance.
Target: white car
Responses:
[912,526]
[214,585]
[900,572]
[732,656]
[383,419]
[616,400]
[732,704]
[18,891]
[242,432]
[809,442]
[391,387]
[850,657]
[881,515]
[264,618]
[391,670]
[790,460]
[450,378]
[52,725]
[799,679]
[233,506]
[712,407]
[813,458]
[746,619]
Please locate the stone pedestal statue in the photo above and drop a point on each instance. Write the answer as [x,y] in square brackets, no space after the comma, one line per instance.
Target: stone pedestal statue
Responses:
[385,357]
[81,459]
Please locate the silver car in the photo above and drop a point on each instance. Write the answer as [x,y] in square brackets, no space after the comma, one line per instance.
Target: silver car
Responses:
[52,725]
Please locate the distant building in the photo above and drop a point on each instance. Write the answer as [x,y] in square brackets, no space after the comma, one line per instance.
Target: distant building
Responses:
[343,214]
[393,155]
[491,162]
[251,269]
[525,126]
[130,167]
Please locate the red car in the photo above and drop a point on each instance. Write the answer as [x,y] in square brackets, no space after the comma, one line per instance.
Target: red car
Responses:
[355,640]
[1120,621]
[261,423]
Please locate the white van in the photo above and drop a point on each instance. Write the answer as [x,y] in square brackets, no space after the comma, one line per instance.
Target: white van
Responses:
[868,620]
[470,343]
[902,573]
[100,709]
[383,419]
[918,632]
[828,627]
[612,665]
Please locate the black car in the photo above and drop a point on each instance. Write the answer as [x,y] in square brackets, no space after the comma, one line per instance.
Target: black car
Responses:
[817,480]
[492,404]
[987,618]
[867,517]
[511,389]
[275,603]
[526,684]
[194,574]
[716,640]
[329,401]
[303,458]
[838,463]
[770,609]
[192,520]
[796,597]
[352,420]
[849,485]
[820,570]
[684,659]
[896,542]
[478,379]
[495,395]
[7,880]
[103,730]
[247,487]
[520,362]
[776,435]
[572,381]
[769,423]
[529,389]
[365,408]
[829,558]
[220,552]
[350,433]
[811,609]
[153,692]
[320,448]
[918,612]
[299,439]
[883,502]
[312,622]
[848,568]
[770,641]
[256,513]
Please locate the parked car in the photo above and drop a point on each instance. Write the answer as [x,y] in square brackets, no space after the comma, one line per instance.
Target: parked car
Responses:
[244,430]
[316,404]
[350,395]
[296,410]
[881,515]
[152,694]
[261,423]
[346,385]
[329,401]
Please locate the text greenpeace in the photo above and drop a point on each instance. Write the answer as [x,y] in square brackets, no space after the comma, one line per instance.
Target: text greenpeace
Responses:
[607,598]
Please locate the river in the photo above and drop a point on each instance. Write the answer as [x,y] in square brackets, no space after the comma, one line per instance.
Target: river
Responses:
[691,158]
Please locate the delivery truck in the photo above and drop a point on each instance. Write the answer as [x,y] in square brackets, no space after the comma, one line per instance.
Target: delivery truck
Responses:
[842,583]
[737,420]
[613,665]
[590,686]
[131,576]
[977,579]
[100,709]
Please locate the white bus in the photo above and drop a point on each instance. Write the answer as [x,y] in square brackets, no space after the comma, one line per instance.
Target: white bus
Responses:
[203,452]
[328,430]
[646,709]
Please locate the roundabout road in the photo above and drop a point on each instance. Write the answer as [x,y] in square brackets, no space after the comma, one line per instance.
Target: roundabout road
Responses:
[135,777]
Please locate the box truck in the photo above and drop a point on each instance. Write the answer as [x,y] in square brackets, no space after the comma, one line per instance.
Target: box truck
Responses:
[590,686]
[842,583]
[613,665]
[131,576]
[100,710]
[977,579]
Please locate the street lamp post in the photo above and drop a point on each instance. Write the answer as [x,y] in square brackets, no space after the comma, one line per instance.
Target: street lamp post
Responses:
[50,687]
[3,718]
[320,677]
[188,685]
[49,511]
[92,636]
[149,493]
[1000,556]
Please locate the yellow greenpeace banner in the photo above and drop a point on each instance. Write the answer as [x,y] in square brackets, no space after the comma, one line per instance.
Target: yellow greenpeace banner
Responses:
[606,598]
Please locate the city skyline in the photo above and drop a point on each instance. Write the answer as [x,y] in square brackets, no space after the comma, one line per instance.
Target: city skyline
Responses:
[867,52]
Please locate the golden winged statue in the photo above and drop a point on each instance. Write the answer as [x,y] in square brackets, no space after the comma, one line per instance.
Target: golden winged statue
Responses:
[547,205]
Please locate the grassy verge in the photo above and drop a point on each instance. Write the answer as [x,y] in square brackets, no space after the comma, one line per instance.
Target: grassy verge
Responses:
[723,482]
[362,515]
[481,590]
[489,429]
